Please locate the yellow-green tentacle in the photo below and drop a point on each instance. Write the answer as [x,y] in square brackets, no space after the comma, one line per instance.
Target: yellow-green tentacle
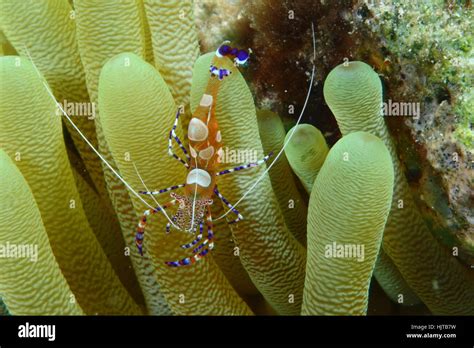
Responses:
[21,226]
[306,152]
[348,209]
[291,202]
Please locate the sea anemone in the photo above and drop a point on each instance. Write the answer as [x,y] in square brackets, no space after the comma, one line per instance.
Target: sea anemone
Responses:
[134,63]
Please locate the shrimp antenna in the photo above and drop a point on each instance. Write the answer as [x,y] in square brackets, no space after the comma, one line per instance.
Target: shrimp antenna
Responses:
[287,140]
[92,146]
[143,182]
[194,202]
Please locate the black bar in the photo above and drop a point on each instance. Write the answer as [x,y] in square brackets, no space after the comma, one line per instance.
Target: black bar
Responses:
[243,330]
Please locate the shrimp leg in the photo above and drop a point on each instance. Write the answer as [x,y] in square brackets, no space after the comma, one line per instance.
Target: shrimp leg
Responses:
[230,206]
[174,136]
[141,225]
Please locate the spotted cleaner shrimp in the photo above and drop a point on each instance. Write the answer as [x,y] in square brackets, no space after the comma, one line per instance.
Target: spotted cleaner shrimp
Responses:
[205,146]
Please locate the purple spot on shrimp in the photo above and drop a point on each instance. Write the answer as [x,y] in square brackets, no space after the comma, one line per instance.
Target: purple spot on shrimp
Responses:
[242,55]
[224,49]
[185,261]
